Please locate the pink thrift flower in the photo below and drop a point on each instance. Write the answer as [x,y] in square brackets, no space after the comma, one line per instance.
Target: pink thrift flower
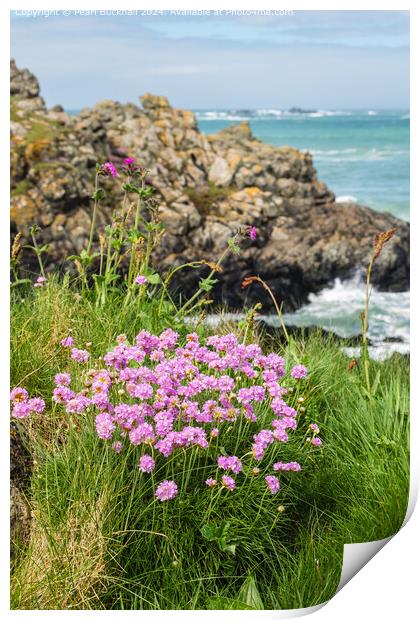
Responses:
[146,463]
[211,482]
[40,281]
[62,378]
[18,395]
[292,466]
[67,342]
[228,482]
[166,490]
[21,410]
[273,484]
[314,427]
[229,463]
[299,372]
[316,441]
[80,355]
[128,161]
[104,425]
[62,394]
[117,446]
[77,404]
[214,432]
[36,405]
[140,280]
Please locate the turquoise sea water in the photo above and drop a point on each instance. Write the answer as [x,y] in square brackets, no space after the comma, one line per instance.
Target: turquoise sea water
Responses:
[363,156]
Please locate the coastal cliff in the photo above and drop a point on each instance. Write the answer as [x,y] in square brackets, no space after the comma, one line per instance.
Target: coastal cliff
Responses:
[207,187]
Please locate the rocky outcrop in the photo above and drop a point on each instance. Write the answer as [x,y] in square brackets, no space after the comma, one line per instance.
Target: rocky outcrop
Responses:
[208,186]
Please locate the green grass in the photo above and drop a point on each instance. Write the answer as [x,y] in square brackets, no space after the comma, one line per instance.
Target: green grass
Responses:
[98,542]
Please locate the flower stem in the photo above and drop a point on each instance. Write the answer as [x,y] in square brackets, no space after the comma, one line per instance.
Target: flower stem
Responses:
[95,209]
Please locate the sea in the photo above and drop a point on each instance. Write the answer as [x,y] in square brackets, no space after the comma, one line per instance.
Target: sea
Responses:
[363,156]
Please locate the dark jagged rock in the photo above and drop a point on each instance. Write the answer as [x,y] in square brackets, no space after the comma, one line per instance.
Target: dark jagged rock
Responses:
[208,186]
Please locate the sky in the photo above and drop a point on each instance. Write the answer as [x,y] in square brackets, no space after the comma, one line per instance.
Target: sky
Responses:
[311,59]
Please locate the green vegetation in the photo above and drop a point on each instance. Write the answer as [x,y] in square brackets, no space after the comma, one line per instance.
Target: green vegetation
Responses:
[93,545]
[99,539]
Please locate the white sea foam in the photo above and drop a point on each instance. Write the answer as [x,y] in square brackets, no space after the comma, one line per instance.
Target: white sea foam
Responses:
[371,113]
[265,114]
[340,199]
[337,309]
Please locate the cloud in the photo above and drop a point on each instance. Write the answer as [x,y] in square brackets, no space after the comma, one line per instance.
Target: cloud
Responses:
[321,59]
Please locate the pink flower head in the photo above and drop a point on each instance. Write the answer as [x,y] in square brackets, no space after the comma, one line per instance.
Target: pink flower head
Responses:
[252,233]
[104,425]
[140,280]
[299,372]
[273,484]
[316,441]
[109,169]
[36,405]
[40,281]
[62,378]
[214,432]
[67,342]
[117,446]
[146,463]
[80,355]
[229,463]
[128,161]
[21,410]
[228,482]
[211,482]
[77,404]
[166,490]
[18,395]
[314,427]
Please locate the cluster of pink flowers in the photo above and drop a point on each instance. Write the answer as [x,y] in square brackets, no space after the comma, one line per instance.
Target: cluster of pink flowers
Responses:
[293,466]
[23,406]
[164,396]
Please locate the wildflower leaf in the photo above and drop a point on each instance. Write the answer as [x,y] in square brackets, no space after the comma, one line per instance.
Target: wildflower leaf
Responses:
[210,531]
[98,194]
[207,284]
[153,278]
[249,594]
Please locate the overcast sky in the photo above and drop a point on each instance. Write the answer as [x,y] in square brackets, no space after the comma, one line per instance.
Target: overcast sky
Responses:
[316,59]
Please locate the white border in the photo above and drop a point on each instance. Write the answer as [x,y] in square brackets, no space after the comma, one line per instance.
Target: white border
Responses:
[388,585]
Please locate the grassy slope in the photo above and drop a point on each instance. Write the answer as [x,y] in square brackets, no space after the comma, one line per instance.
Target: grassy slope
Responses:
[85,498]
